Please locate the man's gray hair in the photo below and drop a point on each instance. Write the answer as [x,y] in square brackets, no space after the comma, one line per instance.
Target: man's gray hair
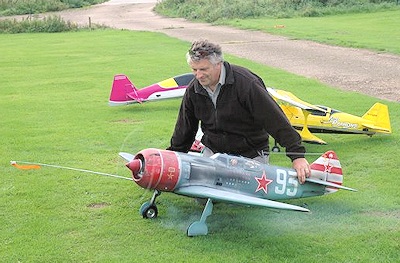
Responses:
[203,49]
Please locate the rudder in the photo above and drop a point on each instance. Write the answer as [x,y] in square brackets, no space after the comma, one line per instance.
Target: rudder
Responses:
[327,168]
[379,115]
[121,87]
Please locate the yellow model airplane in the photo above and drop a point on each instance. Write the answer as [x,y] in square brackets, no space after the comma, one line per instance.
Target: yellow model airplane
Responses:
[310,118]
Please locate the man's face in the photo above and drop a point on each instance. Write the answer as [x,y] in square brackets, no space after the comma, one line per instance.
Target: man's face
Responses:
[205,72]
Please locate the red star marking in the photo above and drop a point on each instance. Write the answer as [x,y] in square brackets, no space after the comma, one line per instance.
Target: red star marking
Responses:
[170,176]
[328,167]
[263,182]
[171,173]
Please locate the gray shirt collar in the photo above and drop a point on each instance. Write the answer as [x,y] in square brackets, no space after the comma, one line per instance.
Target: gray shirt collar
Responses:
[221,82]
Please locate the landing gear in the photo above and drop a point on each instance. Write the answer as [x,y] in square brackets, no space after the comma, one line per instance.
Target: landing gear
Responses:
[198,228]
[276,148]
[149,209]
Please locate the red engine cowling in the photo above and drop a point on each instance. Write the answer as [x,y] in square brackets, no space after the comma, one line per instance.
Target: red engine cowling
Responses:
[155,169]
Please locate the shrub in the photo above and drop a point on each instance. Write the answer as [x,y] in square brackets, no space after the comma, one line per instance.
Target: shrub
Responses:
[214,10]
[22,7]
[51,24]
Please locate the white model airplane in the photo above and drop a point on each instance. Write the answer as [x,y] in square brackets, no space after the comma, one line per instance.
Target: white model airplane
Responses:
[227,178]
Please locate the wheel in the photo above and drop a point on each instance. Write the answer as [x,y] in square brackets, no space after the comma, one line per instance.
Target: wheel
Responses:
[149,210]
[276,149]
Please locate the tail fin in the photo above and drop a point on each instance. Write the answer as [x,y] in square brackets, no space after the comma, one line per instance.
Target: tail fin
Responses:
[123,91]
[327,168]
[379,115]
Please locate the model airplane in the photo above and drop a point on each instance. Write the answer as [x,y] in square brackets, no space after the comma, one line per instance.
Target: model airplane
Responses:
[303,116]
[123,91]
[321,119]
[227,178]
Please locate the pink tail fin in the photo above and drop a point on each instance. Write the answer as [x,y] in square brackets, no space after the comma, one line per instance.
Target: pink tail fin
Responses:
[327,168]
[122,90]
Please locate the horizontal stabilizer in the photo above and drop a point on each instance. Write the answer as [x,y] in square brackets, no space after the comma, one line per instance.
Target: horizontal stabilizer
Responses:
[378,128]
[317,181]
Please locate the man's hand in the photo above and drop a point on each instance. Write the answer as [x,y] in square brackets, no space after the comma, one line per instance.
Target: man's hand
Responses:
[302,168]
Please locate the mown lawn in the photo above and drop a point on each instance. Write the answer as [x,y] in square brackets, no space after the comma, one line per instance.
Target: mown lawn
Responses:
[378,30]
[54,92]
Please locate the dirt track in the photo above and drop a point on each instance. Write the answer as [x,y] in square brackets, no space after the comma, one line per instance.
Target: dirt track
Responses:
[375,74]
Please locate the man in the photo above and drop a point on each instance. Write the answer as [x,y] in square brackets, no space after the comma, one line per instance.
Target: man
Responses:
[235,111]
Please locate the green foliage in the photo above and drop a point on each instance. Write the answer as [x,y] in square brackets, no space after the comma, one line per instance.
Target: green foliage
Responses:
[212,11]
[49,24]
[17,7]
[54,110]
[22,7]
[81,3]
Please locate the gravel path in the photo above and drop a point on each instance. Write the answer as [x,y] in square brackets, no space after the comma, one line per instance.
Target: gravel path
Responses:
[372,73]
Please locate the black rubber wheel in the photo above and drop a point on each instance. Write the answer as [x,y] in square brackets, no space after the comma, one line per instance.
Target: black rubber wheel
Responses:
[149,211]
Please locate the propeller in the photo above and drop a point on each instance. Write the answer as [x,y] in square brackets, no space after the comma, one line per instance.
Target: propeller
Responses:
[135,166]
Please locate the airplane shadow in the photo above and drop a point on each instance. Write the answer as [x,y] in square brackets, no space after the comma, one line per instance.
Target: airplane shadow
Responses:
[231,221]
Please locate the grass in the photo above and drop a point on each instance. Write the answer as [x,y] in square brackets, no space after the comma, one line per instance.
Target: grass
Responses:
[54,90]
[377,31]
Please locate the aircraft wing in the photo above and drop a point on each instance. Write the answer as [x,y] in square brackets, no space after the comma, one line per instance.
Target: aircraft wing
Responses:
[226,196]
[288,97]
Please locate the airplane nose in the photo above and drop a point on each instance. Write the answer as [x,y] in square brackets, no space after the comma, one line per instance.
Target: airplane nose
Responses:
[135,165]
